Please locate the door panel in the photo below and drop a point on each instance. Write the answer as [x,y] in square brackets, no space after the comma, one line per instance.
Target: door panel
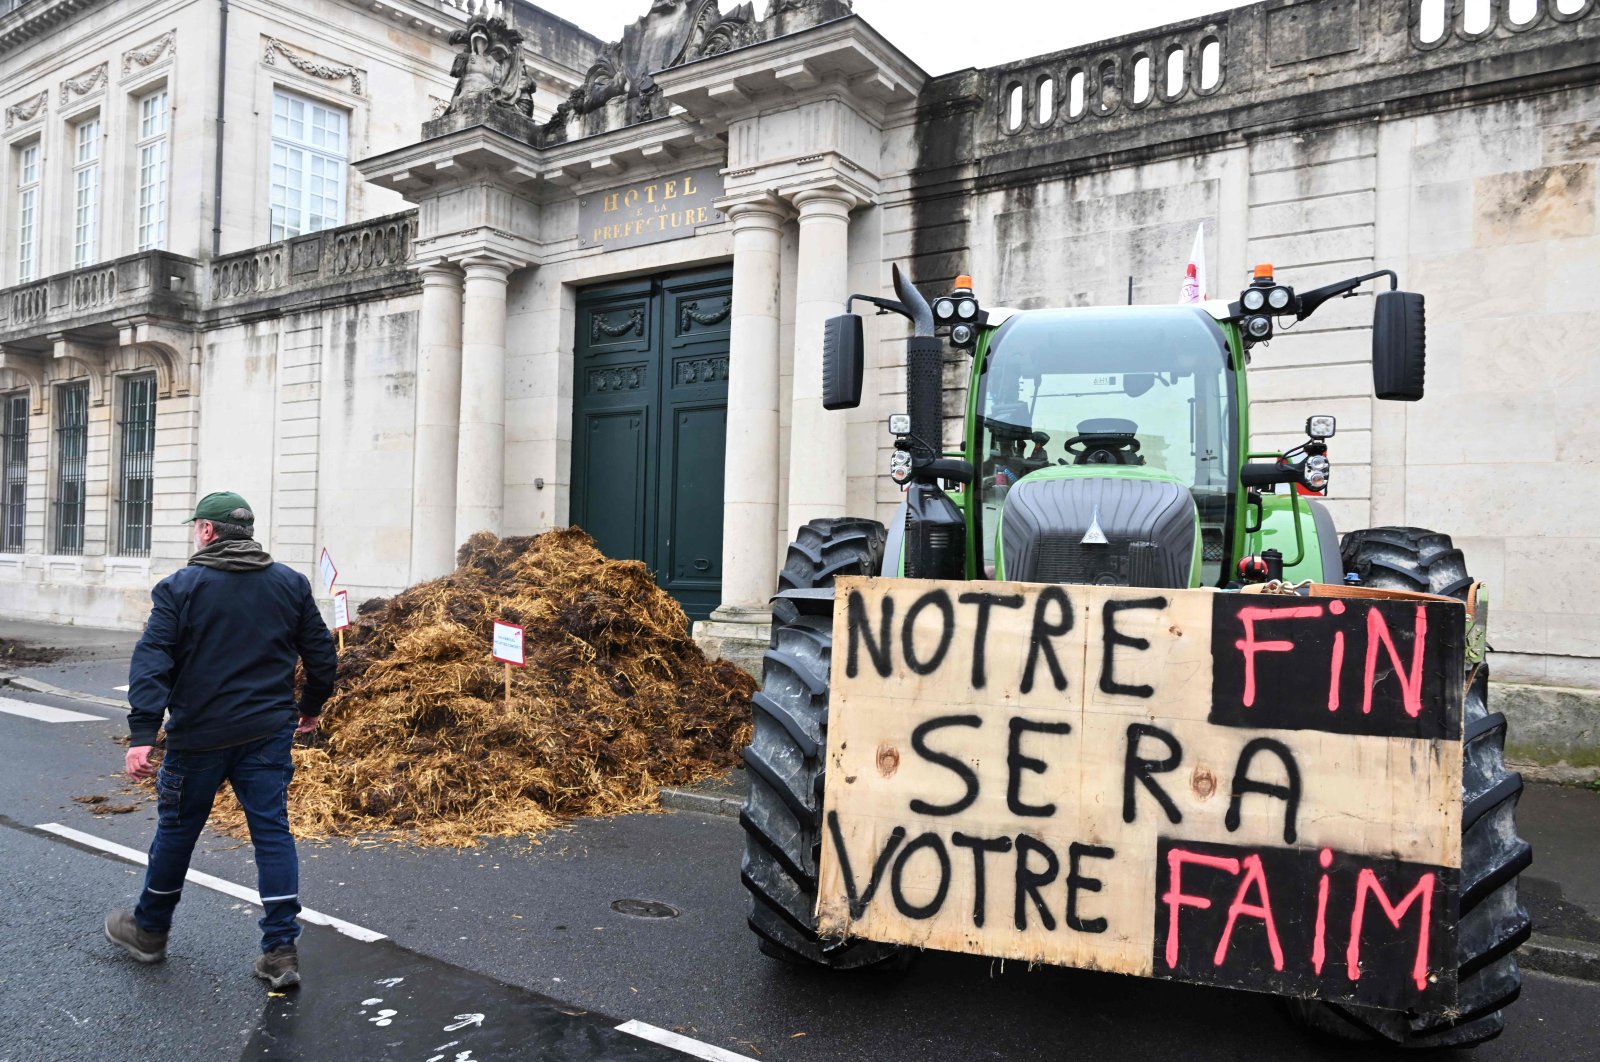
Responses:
[650,426]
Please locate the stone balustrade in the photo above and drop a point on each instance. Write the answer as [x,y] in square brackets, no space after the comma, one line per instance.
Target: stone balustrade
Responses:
[152,283]
[363,251]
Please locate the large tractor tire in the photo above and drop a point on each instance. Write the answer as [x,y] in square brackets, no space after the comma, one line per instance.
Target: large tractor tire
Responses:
[1492,922]
[782,816]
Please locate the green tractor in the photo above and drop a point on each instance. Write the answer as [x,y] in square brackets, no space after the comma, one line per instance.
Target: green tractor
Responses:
[1110,445]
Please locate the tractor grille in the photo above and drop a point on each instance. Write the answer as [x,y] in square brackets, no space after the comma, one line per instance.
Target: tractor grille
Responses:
[1064,559]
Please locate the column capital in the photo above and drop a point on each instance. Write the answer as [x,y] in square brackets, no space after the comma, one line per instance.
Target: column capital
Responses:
[755,210]
[488,266]
[824,201]
[437,271]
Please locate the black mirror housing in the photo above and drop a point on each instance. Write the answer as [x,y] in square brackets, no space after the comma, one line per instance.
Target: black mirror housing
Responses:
[842,362]
[1399,346]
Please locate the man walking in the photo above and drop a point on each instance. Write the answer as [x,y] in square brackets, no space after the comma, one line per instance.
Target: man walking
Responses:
[218,659]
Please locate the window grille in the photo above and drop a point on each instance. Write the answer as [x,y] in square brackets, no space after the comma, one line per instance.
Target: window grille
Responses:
[13,471]
[308,161]
[152,149]
[72,454]
[86,193]
[138,432]
[27,213]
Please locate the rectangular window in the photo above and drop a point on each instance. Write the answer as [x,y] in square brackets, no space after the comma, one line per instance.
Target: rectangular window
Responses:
[152,152]
[72,456]
[86,193]
[27,213]
[138,431]
[308,160]
[13,470]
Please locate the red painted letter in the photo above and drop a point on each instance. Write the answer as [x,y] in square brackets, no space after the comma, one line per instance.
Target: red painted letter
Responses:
[1250,647]
[1410,685]
[1263,910]
[1175,897]
[1368,882]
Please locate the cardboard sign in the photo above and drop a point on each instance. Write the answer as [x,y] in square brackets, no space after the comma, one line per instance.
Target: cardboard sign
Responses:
[341,610]
[328,572]
[508,643]
[1249,790]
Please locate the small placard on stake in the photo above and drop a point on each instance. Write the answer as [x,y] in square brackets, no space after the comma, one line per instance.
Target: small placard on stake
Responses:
[508,643]
[327,571]
[341,610]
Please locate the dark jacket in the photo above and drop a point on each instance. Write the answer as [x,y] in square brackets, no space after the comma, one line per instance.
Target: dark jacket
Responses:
[219,649]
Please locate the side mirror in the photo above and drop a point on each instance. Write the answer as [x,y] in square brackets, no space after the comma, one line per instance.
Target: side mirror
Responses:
[1399,343]
[842,362]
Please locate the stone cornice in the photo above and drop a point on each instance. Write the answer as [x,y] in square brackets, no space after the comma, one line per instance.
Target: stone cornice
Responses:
[846,56]
[41,16]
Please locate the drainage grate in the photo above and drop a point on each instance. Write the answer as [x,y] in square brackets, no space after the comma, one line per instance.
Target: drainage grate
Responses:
[644,908]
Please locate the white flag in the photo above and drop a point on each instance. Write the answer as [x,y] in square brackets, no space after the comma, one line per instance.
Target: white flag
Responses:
[1194,280]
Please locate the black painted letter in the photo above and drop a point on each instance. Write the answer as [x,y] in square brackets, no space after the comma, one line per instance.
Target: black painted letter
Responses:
[1016,763]
[931,908]
[919,742]
[882,651]
[980,632]
[1039,641]
[1076,880]
[980,848]
[1030,881]
[908,643]
[1243,783]
[1114,638]
[858,904]
[1136,768]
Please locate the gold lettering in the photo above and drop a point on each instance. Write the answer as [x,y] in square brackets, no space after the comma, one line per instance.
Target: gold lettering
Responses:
[672,190]
[650,194]
[611,203]
[688,186]
[597,236]
[700,216]
[631,197]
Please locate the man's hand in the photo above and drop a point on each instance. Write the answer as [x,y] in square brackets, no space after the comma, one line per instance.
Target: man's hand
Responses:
[138,762]
[308,725]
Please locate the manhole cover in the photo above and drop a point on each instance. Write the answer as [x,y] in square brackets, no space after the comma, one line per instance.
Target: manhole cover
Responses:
[644,908]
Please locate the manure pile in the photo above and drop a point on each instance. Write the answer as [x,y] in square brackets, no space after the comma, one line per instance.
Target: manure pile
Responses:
[615,702]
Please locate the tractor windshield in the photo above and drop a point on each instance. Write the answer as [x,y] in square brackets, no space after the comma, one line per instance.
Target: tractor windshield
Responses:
[1109,387]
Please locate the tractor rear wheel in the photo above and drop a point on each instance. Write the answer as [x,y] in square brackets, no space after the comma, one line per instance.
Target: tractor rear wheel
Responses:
[782,816]
[1492,922]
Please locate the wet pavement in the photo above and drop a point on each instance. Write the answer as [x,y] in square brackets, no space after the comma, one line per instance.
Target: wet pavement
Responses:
[527,936]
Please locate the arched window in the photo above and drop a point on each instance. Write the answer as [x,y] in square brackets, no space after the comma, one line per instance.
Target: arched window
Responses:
[1175,72]
[1013,108]
[1075,94]
[1046,92]
[1569,7]
[1522,12]
[1476,16]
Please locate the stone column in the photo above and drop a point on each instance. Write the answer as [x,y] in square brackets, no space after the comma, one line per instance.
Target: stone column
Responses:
[750,482]
[481,461]
[817,436]
[433,468]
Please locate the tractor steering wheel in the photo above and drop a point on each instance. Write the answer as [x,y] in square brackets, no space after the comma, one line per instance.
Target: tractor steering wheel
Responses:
[1104,448]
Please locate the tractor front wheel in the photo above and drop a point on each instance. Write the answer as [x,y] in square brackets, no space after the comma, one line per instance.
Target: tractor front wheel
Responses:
[1492,922]
[782,816]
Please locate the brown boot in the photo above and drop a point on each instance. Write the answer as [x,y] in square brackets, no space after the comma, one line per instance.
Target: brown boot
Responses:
[122,930]
[279,967]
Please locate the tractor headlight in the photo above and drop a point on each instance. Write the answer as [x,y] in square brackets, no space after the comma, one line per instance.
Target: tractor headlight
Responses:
[1278,298]
[1315,472]
[900,466]
[961,335]
[1258,327]
[1253,299]
[967,309]
[1320,427]
[900,424]
[944,309]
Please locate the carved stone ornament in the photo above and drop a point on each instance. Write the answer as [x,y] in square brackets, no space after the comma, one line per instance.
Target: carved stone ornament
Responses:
[436,106]
[26,111]
[84,84]
[306,65]
[489,65]
[149,52]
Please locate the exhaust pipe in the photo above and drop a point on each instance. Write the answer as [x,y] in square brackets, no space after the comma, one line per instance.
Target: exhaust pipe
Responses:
[924,372]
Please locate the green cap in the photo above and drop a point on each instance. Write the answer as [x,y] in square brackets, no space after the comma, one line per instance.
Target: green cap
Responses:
[223,507]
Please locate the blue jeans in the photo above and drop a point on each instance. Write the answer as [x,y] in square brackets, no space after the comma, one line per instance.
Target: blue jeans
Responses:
[185,788]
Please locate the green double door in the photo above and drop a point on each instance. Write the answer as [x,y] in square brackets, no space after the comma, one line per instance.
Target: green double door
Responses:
[649,427]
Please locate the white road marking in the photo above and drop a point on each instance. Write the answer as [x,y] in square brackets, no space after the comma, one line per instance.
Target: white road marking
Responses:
[120,689]
[239,892]
[680,1043]
[46,714]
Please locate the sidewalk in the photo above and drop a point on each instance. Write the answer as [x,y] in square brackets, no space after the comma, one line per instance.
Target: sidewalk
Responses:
[1561,890]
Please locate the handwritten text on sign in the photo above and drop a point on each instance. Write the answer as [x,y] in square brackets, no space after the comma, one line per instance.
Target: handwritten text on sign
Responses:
[1237,789]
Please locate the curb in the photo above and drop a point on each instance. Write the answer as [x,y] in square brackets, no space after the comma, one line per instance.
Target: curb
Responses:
[705,803]
[1561,956]
[36,686]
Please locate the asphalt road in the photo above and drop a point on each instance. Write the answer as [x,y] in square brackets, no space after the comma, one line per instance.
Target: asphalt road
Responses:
[527,936]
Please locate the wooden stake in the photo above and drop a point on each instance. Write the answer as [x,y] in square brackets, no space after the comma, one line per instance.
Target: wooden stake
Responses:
[508,686]
[341,639]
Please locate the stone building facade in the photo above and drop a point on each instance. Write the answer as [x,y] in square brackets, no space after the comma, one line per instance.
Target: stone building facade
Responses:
[602,304]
